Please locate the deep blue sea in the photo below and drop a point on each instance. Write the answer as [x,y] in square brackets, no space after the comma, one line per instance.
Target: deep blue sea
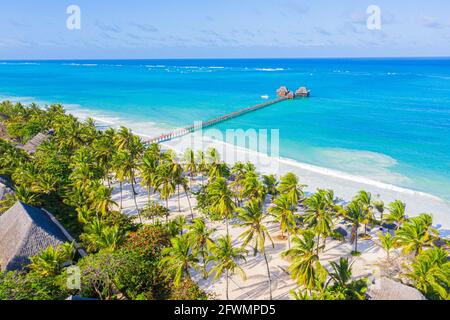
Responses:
[386,119]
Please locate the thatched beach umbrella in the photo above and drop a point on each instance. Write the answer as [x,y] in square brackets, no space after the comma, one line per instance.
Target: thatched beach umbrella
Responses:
[388,289]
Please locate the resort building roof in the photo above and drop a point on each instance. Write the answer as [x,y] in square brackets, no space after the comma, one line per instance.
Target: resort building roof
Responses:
[388,289]
[31,146]
[24,232]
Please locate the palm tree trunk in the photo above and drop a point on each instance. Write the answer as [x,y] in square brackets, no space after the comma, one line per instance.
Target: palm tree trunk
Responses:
[289,239]
[227,285]
[268,275]
[132,184]
[226,223]
[120,195]
[134,196]
[178,191]
[318,243]
[137,208]
[190,207]
[356,239]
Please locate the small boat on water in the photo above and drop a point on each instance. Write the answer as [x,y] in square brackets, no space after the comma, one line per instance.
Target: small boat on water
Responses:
[265,97]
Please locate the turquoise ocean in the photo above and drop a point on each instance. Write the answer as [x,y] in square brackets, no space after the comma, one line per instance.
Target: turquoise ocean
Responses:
[384,119]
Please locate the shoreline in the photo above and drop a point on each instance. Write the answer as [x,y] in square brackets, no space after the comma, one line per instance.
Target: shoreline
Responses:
[344,184]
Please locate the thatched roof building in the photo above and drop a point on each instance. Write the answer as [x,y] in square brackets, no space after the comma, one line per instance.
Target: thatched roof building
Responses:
[24,232]
[302,92]
[282,91]
[31,146]
[388,289]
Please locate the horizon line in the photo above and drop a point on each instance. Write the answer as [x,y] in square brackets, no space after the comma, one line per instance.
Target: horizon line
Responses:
[234,58]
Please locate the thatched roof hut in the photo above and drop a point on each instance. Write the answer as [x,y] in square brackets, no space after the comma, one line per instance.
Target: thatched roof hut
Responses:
[302,92]
[282,91]
[24,232]
[388,289]
[31,146]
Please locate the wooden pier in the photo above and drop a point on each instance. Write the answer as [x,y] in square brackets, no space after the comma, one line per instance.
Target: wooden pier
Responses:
[283,94]
[184,131]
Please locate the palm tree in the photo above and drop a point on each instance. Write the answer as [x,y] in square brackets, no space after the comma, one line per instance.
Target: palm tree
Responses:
[128,164]
[227,260]
[97,235]
[355,214]
[416,233]
[104,153]
[183,182]
[238,170]
[387,242]
[148,170]
[126,141]
[201,239]
[190,164]
[201,163]
[290,186]
[50,262]
[365,199]
[123,139]
[318,214]
[397,212]
[270,184]
[179,258]
[70,130]
[164,183]
[120,173]
[283,211]
[252,218]
[379,206]
[213,163]
[221,199]
[303,259]
[181,222]
[344,287]
[178,177]
[101,199]
[252,187]
[430,273]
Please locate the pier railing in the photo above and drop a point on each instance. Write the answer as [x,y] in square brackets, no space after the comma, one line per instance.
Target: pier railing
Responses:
[184,131]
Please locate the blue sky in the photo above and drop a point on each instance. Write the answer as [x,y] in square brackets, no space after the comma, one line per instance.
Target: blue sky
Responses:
[32,29]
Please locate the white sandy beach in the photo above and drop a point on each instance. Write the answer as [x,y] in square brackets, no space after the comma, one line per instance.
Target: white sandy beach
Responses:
[345,185]
[369,263]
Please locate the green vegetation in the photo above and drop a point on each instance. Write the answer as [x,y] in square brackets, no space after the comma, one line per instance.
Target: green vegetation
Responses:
[155,254]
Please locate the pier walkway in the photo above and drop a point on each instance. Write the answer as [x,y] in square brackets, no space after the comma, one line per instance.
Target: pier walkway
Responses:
[184,131]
